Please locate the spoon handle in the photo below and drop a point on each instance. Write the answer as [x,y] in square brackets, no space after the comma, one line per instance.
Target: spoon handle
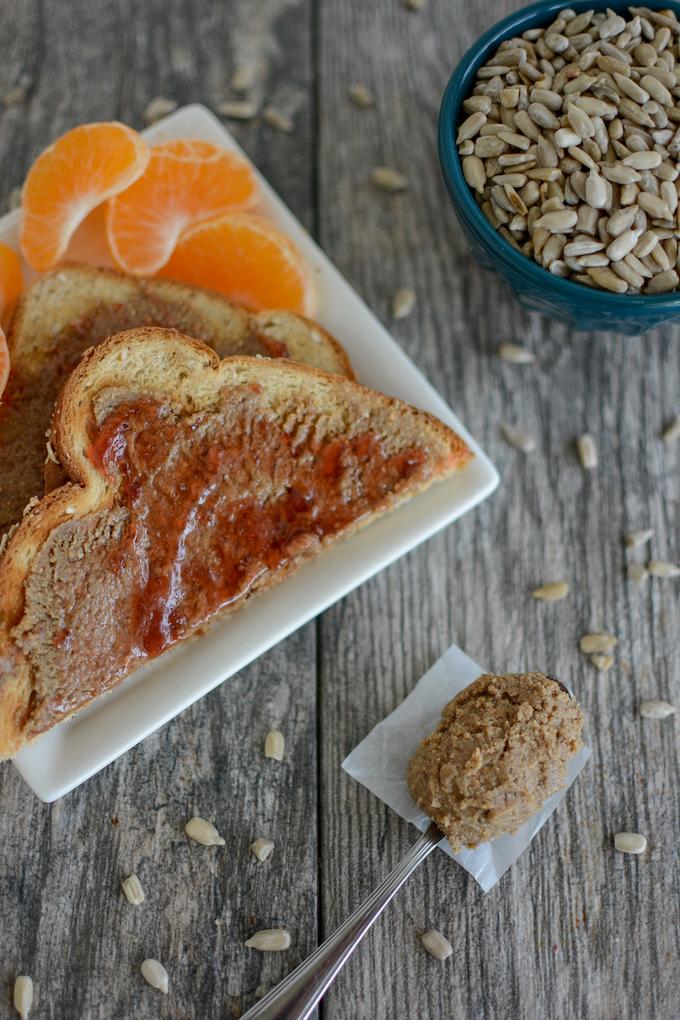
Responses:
[297,995]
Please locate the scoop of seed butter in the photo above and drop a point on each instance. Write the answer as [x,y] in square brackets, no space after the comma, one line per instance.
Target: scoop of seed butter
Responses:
[500,750]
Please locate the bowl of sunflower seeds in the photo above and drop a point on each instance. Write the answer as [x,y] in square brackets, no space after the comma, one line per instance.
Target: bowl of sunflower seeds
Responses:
[559,140]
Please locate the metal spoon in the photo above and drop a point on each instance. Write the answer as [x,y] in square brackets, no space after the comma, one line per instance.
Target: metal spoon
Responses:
[296,997]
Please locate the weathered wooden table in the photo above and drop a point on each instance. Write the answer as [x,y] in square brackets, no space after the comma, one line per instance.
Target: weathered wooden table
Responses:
[575,930]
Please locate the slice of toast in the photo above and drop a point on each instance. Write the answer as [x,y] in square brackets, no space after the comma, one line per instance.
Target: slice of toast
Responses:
[193,484]
[76,306]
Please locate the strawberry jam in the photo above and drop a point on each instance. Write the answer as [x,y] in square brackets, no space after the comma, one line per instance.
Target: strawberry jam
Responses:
[219,502]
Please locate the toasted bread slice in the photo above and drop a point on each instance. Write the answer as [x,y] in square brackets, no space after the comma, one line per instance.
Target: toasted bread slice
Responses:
[77,306]
[194,483]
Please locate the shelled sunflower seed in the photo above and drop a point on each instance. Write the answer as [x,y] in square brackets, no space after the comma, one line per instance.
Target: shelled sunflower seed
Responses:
[132,888]
[436,944]
[515,353]
[203,832]
[662,568]
[237,109]
[635,539]
[274,745]
[158,108]
[269,940]
[656,709]
[553,591]
[361,95]
[587,451]
[155,974]
[518,438]
[243,78]
[630,842]
[23,995]
[262,848]
[672,431]
[570,142]
[602,661]
[596,643]
[637,572]
[278,120]
[403,302]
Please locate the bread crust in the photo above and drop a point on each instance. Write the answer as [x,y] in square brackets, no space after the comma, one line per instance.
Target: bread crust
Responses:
[75,306]
[185,373]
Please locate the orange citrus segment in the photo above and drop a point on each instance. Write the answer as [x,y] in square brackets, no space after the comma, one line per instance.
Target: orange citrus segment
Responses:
[247,259]
[11,283]
[4,362]
[185,183]
[69,179]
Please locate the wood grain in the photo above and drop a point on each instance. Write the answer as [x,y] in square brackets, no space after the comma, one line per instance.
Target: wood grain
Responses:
[574,930]
[65,921]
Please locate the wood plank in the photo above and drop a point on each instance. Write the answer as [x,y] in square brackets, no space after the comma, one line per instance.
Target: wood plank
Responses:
[65,921]
[574,930]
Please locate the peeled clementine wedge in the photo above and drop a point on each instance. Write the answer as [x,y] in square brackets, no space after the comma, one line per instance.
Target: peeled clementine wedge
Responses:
[11,281]
[69,179]
[247,259]
[185,183]
[4,362]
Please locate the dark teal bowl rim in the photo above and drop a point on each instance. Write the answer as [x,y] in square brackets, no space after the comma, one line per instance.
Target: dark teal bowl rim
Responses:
[458,88]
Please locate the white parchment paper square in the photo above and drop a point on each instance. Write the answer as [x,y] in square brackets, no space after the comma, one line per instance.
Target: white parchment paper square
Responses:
[379,763]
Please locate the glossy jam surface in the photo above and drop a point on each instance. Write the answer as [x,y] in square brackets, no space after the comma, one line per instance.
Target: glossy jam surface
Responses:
[214,503]
[35,382]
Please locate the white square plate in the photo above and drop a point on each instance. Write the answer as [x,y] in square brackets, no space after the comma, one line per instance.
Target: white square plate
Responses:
[79,747]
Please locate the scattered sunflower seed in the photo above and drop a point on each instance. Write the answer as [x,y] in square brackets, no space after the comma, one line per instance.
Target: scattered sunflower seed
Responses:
[15,96]
[243,78]
[436,944]
[155,974]
[590,643]
[630,842]
[14,199]
[269,940]
[672,432]
[277,120]
[587,451]
[132,888]
[634,539]
[516,354]
[601,661]
[388,179]
[158,108]
[274,745]
[23,995]
[551,592]
[518,438]
[262,848]
[361,95]
[637,572]
[655,709]
[237,109]
[662,568]
[203,832]
[403,303]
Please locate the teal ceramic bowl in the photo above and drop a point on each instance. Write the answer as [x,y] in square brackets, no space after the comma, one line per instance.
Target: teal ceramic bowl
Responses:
[581,307]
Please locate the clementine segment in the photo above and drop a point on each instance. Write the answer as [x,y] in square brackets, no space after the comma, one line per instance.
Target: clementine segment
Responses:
[11,281]
[186,182]
[247,259]
[69,179]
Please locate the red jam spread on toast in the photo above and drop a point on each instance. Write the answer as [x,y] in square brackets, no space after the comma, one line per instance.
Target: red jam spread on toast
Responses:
[215,503]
